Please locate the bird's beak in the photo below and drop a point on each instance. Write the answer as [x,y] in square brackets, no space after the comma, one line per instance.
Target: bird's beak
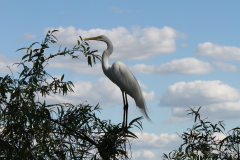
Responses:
[92,38]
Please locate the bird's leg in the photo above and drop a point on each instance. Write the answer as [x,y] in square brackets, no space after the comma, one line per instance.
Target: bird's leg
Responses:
[124,112]
[126,109]
[124,116]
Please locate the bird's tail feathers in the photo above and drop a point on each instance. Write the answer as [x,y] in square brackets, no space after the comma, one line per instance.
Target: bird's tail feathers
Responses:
[142,105]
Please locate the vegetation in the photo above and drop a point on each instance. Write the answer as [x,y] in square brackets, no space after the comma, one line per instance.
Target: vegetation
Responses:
[30,128]
[199,142]
[33,129]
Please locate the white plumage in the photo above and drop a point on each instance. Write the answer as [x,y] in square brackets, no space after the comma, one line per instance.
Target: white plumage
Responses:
[119,74]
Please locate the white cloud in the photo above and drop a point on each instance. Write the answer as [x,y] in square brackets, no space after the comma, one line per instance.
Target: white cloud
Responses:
[142,68]
[149,96]
[226,67]
[148,154]
[219,136]
[198,93]
[135,44]
[76,65]
[216,112]
[136,154]
[4,62]
[152,146]
[152,141]
[216,98]
[27,36]
[141,43]
[104,92]
[181,66]
[142,85]
[221,53]
[148,144]
[143,155]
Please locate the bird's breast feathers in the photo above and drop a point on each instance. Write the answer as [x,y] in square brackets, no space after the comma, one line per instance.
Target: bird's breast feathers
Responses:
[123,78]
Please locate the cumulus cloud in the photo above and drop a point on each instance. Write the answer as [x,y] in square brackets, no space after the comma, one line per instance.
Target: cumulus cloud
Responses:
[143,155]
[226,67]
[216,97]
[181,66]
[198,93]
[218,52]
[27,36]
[76,65]
[4,62]
[219,136]
[148,144]
[104,92]
[153,141]
[135,44]
[216,111]
[152,146]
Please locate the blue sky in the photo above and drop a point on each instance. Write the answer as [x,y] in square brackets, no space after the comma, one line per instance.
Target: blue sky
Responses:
[184,53]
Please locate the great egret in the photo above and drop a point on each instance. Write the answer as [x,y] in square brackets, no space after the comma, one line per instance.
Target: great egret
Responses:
[119,74]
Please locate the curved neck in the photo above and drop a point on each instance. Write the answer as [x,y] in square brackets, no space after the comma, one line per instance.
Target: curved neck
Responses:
[109,46]
[105,55]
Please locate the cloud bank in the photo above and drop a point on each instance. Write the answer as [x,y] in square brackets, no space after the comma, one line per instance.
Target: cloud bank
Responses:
[151,146]
[4,62]
[180,66]
[225,67]
[215,97]
[218,52]
[103,92]
[135,44]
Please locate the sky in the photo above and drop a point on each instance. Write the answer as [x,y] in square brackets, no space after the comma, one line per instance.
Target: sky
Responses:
[183,53]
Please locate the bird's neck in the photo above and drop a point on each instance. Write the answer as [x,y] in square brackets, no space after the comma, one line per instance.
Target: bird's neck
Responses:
[109,46]
[106,55]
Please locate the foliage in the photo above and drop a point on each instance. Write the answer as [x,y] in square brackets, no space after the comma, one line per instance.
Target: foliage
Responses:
[201,143]
[33,129]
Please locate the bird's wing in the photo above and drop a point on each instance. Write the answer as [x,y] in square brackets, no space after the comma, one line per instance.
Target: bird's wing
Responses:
[125,80]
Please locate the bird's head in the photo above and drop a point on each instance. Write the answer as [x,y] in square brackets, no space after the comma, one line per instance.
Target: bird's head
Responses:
[103,39]
[98,38]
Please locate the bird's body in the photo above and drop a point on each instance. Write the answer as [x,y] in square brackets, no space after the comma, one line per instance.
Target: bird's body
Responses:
[125,80]
[119,74]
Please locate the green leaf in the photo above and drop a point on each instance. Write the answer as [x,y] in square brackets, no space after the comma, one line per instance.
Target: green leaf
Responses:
[81,38]
[55,30]
[32,128]
[55,37]
[94,60]
[62,77]
[25,56]
[52,41]
[89,61]
[21,49]
[197,127]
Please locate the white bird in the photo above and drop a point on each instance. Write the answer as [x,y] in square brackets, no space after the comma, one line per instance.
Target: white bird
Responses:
[119,74]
